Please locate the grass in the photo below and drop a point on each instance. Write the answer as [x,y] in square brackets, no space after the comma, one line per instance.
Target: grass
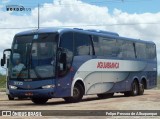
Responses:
[158,83]
[2,81]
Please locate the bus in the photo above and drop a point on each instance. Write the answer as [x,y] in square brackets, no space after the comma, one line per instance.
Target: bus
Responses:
[69,63]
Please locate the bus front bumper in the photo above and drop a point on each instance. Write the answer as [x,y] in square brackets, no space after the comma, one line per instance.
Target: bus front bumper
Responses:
[38,93]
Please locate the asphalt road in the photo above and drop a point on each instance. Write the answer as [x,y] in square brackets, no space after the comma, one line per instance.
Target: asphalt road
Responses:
[149,101]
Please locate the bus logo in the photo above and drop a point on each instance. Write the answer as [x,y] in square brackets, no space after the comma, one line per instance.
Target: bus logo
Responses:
[108,65]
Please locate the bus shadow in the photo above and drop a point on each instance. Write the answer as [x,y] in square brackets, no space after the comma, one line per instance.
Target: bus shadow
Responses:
[62,102]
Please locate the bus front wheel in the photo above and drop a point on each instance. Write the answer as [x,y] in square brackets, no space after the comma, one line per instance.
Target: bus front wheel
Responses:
[78,93]
[39,100]
[10,97]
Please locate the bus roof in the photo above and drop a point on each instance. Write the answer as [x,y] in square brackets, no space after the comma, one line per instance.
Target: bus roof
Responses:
[87,31]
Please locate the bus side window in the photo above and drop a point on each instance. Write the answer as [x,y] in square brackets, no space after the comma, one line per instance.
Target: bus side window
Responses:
[104,46]
[109,47]
[141,50]
[97,46]
[151,51]
[126,49]
[83,44]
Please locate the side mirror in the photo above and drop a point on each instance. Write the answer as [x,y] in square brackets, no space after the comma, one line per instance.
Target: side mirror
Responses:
[3,60]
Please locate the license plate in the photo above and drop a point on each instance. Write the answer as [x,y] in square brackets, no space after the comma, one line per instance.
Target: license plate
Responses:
[29,94]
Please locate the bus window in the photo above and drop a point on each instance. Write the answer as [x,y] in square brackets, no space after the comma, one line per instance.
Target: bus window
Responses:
[141,50]
[83,45]
[126,49]
[108,47]
[105,46]
[112,48]
[97,46]
[151,51]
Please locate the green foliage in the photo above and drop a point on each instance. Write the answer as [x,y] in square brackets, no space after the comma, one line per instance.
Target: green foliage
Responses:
[2,81]
[158,82]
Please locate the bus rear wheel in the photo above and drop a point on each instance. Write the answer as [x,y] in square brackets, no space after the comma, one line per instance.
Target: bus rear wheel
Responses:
[135,89]
[127,93]
[107,95]
[141,88]
[78,93]
[39,100]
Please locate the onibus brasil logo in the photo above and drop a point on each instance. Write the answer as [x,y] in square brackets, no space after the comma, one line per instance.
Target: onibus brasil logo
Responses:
[17,8]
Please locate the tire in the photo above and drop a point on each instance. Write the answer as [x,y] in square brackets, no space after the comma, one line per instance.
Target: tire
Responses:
[20,98]
[107,95]
[10,97]
[39,100]
[78,93]
[127,93]
[135,88]
[141,88]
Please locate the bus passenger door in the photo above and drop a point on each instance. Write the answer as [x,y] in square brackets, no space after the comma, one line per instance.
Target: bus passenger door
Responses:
[64,63]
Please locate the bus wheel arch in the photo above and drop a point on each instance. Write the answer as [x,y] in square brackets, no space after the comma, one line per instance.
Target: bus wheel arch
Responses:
[78,91]
[77,81]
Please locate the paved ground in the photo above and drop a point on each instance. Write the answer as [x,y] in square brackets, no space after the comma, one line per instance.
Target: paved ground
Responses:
[149,101]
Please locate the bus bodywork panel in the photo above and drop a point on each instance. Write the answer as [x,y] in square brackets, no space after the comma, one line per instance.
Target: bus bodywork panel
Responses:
[32,88]
[102,75]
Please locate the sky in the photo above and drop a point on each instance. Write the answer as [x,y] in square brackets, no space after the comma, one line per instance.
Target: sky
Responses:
[138,19]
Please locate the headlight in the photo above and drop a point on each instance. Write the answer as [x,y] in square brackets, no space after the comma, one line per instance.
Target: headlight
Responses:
[48,86]
[12,87]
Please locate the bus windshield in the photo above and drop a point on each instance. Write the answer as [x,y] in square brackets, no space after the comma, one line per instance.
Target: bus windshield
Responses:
[33,56]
